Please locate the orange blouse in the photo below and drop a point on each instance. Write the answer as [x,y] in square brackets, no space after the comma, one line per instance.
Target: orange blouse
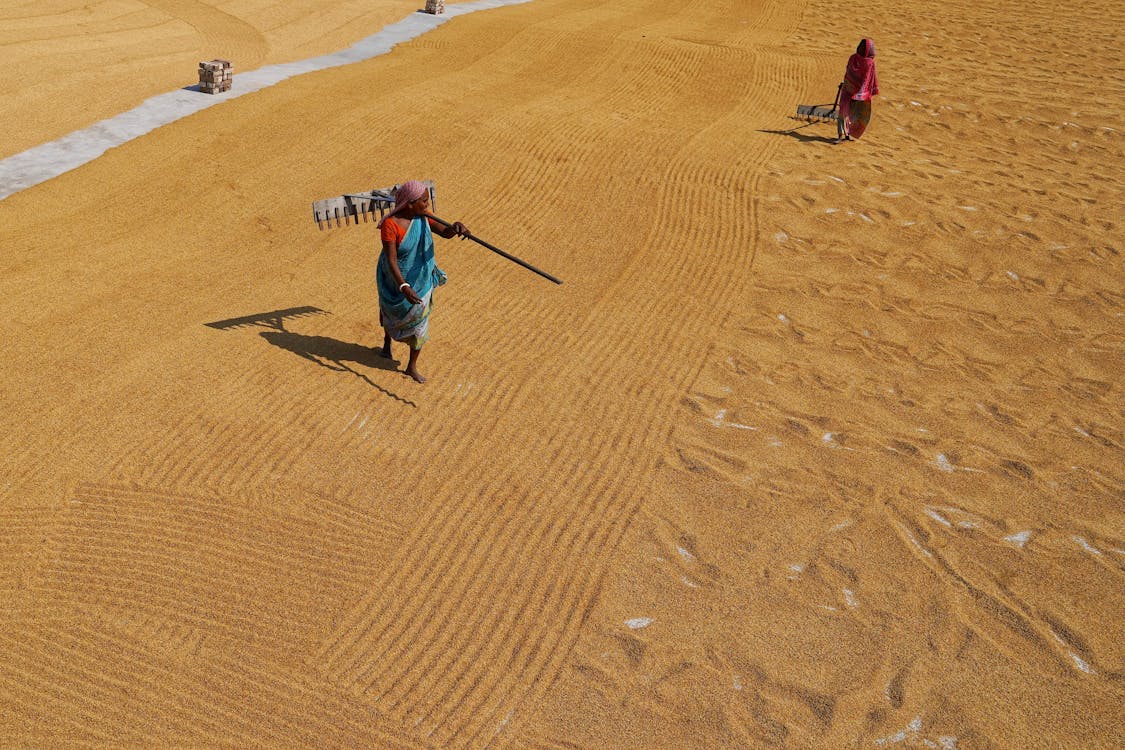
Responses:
[392,232]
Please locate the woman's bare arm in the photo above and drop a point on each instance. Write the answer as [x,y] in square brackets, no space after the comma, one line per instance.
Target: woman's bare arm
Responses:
[448,232]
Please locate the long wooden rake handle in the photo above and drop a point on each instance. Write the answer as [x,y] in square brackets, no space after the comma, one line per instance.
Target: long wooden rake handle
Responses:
[498,251]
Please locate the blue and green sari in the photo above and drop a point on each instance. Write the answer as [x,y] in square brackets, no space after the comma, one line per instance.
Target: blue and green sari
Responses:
[405,321]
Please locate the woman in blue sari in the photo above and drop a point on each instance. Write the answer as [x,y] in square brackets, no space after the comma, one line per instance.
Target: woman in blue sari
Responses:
[407,273]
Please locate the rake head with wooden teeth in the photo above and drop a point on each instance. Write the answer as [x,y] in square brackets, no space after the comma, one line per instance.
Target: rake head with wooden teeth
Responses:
[815,113]
[350,207]
[819,112]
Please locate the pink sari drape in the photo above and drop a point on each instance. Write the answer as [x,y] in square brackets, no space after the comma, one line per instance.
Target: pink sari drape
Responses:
[860,84]
[860,78]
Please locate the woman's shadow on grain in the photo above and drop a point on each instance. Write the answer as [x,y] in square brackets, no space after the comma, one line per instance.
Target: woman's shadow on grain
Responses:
[335,355]
[803,137]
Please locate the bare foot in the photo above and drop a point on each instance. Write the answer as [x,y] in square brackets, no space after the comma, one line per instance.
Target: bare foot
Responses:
[416,375]
[385,352]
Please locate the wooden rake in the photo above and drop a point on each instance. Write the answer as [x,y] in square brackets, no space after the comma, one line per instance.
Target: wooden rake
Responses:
[818,112]
[349,207]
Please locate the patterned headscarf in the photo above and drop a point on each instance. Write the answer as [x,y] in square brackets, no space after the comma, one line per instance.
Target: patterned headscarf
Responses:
[407,193]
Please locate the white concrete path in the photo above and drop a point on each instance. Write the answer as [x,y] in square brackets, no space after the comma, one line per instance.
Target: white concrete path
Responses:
[41,163]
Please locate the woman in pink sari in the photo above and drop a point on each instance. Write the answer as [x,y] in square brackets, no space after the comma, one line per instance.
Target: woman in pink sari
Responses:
[860,84]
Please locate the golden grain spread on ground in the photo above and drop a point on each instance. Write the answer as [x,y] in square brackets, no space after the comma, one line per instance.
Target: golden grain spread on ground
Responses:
[818,446]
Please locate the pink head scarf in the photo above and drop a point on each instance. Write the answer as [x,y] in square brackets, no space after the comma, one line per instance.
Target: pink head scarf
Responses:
[407,192]
[860,76]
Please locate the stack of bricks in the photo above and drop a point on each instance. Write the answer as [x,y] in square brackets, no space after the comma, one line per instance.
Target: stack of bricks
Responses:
[215,76]
[436,7]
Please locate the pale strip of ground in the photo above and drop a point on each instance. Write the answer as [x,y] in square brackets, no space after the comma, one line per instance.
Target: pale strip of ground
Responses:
[42,162]
[71,63]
